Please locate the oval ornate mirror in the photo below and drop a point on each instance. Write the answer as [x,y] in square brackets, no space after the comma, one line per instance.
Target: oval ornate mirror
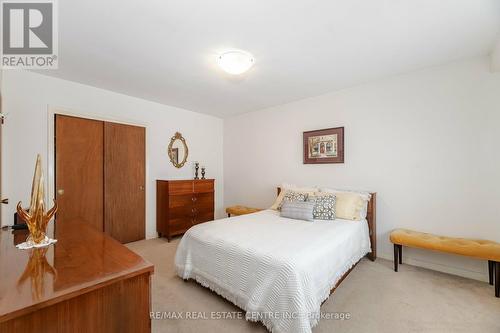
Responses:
[178,150]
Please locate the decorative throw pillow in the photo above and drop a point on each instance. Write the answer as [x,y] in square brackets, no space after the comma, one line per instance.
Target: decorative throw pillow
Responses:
[324,206]
[292,196]
[289,187]
[298,210]
[351,205]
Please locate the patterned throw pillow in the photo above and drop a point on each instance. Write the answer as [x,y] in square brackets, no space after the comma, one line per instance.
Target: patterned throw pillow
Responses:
[293,196]
[324,207]
[298,210]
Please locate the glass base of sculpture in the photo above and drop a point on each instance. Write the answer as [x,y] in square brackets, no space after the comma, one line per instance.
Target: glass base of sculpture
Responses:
[29,244]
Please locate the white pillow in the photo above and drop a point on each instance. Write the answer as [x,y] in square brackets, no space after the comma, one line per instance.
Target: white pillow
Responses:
[356,209]
[286,186]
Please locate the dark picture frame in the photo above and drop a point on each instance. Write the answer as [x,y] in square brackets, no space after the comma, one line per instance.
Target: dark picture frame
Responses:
[324,146]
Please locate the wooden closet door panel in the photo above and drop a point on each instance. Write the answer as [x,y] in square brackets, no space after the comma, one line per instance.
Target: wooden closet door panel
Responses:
[79,170]
[124,181]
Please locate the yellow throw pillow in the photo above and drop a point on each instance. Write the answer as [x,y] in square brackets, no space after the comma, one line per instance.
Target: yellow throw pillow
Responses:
[349,205]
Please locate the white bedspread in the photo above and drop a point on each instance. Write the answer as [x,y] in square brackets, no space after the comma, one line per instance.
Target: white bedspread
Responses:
[279,270]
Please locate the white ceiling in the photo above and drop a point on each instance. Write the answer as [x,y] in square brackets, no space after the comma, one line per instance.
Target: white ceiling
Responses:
[165,50]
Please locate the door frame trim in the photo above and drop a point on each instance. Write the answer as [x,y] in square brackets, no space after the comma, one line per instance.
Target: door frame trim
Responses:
[52,110]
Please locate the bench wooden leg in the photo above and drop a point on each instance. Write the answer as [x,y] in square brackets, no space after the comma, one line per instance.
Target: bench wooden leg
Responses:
[396,257]
[491,270]
[497,278]
[400,251]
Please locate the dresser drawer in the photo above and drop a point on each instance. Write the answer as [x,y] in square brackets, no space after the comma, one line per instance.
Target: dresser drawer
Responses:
[202,186]
[180,187]
[181,212]
[204,217]
[183,203]
[181,200]
[179,225]
[204,201]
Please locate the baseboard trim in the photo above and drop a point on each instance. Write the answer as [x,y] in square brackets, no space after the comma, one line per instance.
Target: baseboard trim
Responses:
[480,276]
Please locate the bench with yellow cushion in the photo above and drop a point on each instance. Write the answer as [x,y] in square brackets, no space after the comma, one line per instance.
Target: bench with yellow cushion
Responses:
[474,248]
[241,210]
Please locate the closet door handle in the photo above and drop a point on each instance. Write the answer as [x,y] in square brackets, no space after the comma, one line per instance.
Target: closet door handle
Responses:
[60,191]
[141,187]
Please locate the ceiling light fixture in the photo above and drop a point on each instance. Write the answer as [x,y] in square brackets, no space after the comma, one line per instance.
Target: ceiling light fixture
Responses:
[235,62]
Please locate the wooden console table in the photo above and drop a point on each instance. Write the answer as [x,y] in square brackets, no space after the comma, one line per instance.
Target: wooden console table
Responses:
[86,282]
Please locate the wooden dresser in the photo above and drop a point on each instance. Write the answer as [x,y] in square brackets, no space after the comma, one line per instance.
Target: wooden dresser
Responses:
[86,282]
[181,204]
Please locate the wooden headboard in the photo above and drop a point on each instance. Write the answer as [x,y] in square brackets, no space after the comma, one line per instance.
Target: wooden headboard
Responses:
[371,217]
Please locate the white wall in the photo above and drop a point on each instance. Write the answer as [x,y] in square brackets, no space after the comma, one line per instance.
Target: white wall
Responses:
[495,57]
[426,142]
[28,97]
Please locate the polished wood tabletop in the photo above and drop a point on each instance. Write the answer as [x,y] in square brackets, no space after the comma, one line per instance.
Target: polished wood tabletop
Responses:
[82,260]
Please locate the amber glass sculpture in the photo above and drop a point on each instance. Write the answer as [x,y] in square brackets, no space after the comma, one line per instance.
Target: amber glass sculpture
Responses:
[36,217]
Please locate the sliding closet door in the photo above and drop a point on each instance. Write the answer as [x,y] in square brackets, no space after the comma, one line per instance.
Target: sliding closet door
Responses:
[124,181]
[79,170]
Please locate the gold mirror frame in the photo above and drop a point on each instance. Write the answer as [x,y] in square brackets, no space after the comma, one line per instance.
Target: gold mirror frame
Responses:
[178,136]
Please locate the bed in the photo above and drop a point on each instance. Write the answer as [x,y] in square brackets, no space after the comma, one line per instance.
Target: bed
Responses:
[278,270]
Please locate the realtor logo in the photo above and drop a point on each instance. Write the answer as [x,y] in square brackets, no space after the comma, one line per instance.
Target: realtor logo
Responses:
[29,35]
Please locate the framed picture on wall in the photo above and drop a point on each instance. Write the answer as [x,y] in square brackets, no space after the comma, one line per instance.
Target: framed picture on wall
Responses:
[324,146]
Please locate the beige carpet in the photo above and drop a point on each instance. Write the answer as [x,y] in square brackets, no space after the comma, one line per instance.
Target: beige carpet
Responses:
[377,298]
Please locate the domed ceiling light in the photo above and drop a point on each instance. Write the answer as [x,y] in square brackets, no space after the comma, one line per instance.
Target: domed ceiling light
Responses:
[235,62]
